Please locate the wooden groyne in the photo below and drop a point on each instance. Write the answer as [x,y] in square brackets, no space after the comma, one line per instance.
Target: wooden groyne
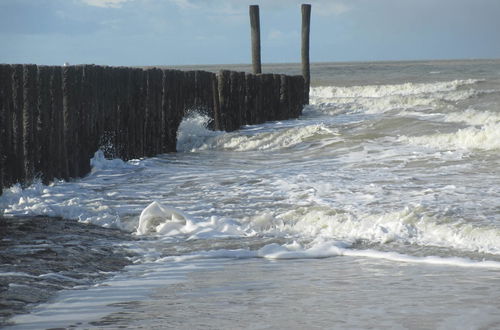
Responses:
[53,119]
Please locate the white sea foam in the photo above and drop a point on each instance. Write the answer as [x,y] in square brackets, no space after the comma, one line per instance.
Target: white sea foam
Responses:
[193,132]
[294,250]
[382,98]
[99,162]
[486,137]
[56,200]
[323,248]
[375,91]
[79,199]
[474,117]
[160,219]
[166,221]
[248,141]
[408,226]
[429,260]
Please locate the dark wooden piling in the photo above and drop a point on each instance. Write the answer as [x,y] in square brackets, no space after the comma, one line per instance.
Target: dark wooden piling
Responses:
[5,125]
[88,116]
[126,113]
[43,125]
[250,99]
[306,28]
[30,117]
[57,146]
[237,100]
[138,108]
[298,97]
[216,121]
[17,162]
[260,94]
[255,35]
[178,107]
[3,137]
[70,120]
[266,106]
[82,159]
[153,78]
[223,88]
[168,106]
[284,103]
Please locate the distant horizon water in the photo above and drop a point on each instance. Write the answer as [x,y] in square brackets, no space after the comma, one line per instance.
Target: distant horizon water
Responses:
[267,64]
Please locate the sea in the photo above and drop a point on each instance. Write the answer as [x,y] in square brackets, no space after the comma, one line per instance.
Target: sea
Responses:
[377,208]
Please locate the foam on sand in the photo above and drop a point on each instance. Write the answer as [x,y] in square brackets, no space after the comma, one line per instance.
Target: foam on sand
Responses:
[326,248]
[160,219]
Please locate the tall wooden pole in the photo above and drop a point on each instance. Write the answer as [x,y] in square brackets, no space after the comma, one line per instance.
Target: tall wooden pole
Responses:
[255,26]
[306,72]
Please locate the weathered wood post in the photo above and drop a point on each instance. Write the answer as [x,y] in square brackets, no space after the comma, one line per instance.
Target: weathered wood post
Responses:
[217,116]
[56,140]
[69,120]
[17,163]
[306,22]
[255,27]
[5,123]
[44,126]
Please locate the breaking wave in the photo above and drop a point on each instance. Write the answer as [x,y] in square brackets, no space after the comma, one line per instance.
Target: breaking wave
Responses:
[486,137]
[382,98]
[389,90]
[194,136]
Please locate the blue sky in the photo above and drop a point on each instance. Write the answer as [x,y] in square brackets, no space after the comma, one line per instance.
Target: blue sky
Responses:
[177,32]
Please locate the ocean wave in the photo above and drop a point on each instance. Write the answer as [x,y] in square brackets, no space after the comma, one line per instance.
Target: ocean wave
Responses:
[193,132]
[412,225]
[194,136]
[474,117]
[374,91]
[486,137]
[383,98]
[408,226]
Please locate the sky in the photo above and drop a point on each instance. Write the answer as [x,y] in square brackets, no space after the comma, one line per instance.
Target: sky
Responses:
[185,32]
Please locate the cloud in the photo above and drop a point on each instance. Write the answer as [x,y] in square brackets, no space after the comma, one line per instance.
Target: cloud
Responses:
[235,7]
[185,4]
[238,7]
[105,3]
[278,35]
[331,8]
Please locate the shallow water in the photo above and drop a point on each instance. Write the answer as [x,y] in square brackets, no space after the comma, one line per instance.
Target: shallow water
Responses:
[357,214]
[40,256]
[299,293]
[334,293]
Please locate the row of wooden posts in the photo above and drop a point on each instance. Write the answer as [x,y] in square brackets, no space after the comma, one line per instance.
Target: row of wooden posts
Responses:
[52,118]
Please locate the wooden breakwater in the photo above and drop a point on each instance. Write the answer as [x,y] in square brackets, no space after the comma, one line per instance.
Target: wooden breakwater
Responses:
[53,119]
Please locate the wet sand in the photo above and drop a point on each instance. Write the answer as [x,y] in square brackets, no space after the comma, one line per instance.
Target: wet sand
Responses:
[42,255]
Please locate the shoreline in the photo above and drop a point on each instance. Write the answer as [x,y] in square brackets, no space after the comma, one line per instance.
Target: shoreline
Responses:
[42,255]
